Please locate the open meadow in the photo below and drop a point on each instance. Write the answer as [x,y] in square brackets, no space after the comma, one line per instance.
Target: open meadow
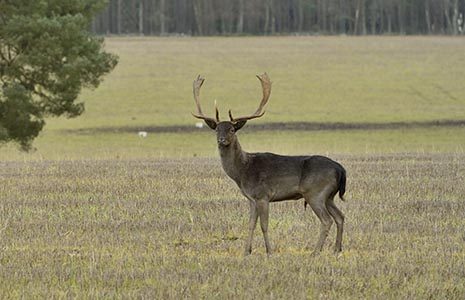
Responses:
[99,212]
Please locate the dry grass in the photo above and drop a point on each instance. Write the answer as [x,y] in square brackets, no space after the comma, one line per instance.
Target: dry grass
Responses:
[175,228]
[111,215]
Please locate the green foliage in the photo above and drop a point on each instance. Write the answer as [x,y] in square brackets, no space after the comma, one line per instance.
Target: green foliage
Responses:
[18,116]
[46,57]
[50,8]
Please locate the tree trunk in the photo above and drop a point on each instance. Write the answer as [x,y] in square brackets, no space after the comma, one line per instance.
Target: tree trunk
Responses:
[427,17]
[360,20]
[198,16]
[414,15]
[455,17]
[389,22]
[323,14]
[363,16]
[300,24]
[240,18]
[118,17]
[400,17]
[381,20]
[341,17]
[374,12]
[447,15]
[357,16]
[273,24]
[141,18]
[162,18]
[267,17]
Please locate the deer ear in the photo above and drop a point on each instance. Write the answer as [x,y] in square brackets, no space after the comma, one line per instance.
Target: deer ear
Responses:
[212,124]
[239,125]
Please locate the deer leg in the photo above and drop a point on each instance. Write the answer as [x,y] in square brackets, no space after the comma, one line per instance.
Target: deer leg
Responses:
[253,216]
[318,206]
[338,216]
[263,211]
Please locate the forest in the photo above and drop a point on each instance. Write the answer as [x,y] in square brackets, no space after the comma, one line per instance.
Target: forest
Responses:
[276,17]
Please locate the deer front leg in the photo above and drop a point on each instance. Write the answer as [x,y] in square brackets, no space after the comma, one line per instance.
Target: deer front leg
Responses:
[263,211]
[252,224]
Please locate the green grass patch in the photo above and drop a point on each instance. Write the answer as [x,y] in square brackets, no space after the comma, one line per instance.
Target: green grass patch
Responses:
[324,79]
[56,145]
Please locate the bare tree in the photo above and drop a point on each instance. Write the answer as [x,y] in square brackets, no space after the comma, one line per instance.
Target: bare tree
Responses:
[454,6]
[266,27]
[357,16]
[162,18]
[118,17]
[300,15]
[240,17]
[427,17]
[197,4]
[267,177]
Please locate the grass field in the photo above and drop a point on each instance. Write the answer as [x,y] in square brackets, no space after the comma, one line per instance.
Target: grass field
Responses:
[176,228]
[314,79]
[97,212]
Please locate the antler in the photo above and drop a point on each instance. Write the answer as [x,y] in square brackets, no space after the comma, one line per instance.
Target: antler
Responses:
[266,86]
[196,89]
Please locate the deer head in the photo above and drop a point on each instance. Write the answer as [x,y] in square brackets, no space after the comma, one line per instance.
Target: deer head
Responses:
[226,130]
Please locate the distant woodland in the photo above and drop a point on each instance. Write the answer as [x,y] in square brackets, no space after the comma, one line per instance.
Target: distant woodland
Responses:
[274,17]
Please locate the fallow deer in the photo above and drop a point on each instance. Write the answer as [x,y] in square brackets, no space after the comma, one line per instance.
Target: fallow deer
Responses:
[267,177]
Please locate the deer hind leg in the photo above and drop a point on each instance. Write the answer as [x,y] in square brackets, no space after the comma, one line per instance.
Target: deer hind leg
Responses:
[338,217]
[318,205]
[253,216]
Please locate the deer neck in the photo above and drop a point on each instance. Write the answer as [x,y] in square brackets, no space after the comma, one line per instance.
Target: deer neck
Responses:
[233,159]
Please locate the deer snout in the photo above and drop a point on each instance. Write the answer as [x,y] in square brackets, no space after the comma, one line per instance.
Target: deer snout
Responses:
[223,141]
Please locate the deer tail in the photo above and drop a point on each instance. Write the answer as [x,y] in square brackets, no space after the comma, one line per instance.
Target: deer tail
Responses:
[342,184]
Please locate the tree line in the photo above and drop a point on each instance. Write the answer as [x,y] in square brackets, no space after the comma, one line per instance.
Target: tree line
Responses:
[269,17]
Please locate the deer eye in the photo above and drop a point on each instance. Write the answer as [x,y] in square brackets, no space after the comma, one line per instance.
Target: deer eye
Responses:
[231,130]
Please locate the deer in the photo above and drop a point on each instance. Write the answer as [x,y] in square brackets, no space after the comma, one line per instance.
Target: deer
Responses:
[264,178]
